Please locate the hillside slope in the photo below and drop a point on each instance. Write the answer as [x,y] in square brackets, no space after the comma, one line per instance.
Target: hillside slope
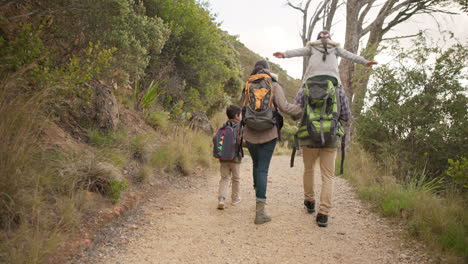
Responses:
[248,58]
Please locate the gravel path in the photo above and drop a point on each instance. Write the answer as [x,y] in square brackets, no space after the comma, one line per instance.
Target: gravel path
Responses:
[183,225]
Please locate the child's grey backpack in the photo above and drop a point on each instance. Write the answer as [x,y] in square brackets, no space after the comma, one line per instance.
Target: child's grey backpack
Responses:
[225,145]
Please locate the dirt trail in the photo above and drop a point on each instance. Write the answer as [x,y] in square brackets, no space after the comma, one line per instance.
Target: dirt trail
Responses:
[183,226]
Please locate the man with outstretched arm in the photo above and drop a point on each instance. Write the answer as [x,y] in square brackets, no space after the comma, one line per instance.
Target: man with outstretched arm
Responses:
[322,67]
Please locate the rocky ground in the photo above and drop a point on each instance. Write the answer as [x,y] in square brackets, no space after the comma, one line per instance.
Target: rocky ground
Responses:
[182,225]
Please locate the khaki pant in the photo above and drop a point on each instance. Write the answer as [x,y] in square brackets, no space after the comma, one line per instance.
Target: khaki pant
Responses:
[326,158]
[229,174]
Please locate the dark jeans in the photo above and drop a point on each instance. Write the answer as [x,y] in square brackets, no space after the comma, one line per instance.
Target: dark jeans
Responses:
[261,156]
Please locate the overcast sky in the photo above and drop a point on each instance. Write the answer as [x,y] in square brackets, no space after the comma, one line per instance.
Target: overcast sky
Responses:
[266,26]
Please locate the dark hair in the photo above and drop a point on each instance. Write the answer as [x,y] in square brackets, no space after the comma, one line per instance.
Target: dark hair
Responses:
[232,111]
[260,66]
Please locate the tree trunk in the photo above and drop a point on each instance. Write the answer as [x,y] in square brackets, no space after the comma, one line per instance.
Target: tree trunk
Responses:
[351,44]
[105,106]
[362,74]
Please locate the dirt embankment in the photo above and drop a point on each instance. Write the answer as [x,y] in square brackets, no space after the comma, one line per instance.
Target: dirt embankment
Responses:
[182,225]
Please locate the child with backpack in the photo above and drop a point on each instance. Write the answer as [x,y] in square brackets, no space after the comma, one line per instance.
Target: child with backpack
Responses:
[325,106]
[262,97]
[228,149]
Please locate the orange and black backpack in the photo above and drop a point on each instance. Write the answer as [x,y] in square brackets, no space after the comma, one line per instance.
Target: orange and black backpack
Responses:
[258,109]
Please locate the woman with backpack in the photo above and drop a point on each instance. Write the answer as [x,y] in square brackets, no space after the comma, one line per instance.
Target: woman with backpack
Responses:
[261,98]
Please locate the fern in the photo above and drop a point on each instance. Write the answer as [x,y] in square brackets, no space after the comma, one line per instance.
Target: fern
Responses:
[152,93]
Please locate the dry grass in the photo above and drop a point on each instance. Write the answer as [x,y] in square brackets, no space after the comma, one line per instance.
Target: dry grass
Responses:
[440,218]
[184,151]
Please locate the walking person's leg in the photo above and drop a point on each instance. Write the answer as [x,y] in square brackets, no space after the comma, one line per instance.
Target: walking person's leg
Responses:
[225,171]
[265,153]
[253,150]
[235,195]
[327,171]
[309,157]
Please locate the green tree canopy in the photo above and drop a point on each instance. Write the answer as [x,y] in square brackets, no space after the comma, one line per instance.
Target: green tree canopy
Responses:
[419,108]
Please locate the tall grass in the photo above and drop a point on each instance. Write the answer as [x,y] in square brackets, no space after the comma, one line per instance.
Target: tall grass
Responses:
[440,218]
[26,233]
[185,150]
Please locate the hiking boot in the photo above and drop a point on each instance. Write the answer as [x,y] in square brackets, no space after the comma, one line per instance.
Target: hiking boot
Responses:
[261,215]
[322,220]
[236,201]
[310,206]
[221,204]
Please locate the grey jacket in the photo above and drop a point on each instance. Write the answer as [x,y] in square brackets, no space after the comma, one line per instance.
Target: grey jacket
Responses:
[319,67]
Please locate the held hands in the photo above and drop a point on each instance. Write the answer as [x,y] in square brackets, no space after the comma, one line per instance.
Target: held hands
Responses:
[372,62]
[279,55]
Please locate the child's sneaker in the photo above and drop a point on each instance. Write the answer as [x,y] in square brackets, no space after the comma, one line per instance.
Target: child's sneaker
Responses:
[221,204]
[236,201]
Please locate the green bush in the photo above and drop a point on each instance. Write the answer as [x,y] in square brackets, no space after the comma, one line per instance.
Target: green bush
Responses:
[115,189]
[417,109]
[458,171]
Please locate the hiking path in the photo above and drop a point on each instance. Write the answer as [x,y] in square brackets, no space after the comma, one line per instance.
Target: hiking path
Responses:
[182,225]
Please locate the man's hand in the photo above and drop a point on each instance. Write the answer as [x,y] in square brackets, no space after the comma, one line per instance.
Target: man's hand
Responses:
[279,55]
[372,62]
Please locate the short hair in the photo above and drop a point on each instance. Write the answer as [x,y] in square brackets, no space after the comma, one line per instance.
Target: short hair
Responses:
[232,111]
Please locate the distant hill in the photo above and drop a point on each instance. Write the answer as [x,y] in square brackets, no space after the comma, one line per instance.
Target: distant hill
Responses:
[248,59]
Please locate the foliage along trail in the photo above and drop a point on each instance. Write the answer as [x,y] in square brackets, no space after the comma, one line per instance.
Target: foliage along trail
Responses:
[183,226]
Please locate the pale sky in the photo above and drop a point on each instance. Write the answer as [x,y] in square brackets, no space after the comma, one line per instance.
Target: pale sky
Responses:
[266,26]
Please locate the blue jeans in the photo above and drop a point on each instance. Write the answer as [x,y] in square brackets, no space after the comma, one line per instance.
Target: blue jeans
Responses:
[261,156]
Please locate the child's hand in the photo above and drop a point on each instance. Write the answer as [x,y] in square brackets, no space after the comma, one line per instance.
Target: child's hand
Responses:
[279,55]
[372,62]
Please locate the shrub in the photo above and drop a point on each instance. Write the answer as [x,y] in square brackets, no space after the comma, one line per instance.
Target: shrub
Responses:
[435,216]
[100,138]
[185,150]
[458,172]
[113,156]
[144,173]
[158,120]
[115,189]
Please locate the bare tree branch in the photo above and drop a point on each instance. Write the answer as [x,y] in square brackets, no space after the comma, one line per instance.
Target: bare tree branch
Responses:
[313,20]
[331,14]
[403,37]
[364,13]
[383,13]
[295,7]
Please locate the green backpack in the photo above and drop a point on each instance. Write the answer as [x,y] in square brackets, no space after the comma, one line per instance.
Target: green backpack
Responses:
[320,126]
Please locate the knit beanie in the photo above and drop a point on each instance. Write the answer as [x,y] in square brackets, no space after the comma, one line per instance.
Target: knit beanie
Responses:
[260,65]
[325,32]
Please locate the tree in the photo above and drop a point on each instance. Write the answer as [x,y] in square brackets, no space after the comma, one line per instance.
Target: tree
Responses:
[198,59]
[360,22]
[419,109]
[324,11]
[390,13]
